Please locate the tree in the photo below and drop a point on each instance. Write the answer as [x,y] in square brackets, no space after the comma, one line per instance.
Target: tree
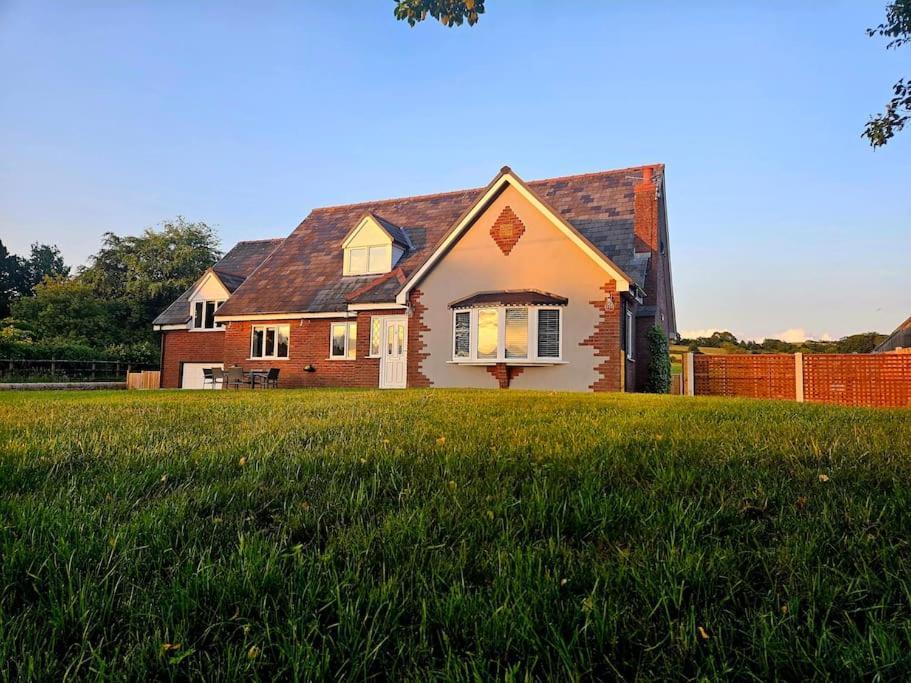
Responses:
[859,343]
[447,12]
[12,279]
[880,129]
[659,364]
[67,309]
[143,274]
[44,261]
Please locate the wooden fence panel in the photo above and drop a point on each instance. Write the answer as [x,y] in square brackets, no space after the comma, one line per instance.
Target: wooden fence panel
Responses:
[147,379]
[759,376]
[876,380]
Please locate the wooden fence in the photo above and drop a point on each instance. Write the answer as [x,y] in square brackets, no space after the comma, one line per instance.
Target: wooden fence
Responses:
[873,380]
[147,379]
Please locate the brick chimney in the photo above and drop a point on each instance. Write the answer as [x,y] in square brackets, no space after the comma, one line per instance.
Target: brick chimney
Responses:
[645,223]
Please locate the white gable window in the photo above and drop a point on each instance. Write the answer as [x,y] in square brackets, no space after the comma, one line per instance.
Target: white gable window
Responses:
[203,315]
[507,334]
[270,341]
[373,247]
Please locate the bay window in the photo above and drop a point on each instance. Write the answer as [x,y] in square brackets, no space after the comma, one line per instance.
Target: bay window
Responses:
[204,315]
[343,341]
[270,341]
[499,334]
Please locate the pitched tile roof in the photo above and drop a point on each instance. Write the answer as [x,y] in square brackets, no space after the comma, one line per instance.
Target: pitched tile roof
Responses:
[305,273]
[233,268]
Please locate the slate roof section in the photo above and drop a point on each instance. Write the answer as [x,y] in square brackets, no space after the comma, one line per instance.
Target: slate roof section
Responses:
[233,268]
[511,297]
[398,235]
[899,339]
[305,274]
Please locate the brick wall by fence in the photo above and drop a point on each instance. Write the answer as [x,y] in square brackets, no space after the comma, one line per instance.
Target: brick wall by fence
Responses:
[185,346]
[876,379]
[760,376]
[879,380]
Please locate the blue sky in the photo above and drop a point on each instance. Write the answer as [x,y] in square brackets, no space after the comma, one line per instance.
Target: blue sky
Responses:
[118,115]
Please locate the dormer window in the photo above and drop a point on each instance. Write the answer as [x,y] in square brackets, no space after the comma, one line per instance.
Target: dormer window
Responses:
[369,260]
[373,247]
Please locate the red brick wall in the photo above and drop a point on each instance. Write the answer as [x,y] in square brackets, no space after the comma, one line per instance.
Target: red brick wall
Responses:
[184,346]
[606,339]
[309,345]
[417,347]
[507,230]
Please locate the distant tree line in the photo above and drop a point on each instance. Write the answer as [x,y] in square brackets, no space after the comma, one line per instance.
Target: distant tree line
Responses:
[864,342]
[105,309]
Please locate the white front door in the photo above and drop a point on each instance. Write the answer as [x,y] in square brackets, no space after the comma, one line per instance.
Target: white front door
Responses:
[394,358]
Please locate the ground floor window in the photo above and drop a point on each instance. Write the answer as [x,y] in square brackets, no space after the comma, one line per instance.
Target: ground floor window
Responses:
[270,341]
[343,341]
[507,333]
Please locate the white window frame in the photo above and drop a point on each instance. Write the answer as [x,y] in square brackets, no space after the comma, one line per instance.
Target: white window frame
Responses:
[264,328]
[348,325]
[630,342]
[384,268]
[531,359]
[216,326]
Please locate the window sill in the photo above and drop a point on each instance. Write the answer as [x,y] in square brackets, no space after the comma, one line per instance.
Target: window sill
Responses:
[265,358]
[342,359]
[209,329]
[512,361]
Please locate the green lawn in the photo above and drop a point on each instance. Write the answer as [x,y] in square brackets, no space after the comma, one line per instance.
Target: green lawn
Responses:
[452,535]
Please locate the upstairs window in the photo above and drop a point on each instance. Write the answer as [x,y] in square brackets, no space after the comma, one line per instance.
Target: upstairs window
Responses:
[204,315]
[507,333]
[369,260]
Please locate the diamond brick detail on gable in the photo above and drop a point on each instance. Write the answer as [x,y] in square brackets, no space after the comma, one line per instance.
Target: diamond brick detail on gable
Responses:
[507,230]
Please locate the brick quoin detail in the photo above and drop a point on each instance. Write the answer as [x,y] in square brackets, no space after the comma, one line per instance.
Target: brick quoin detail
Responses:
[507,230]
[504,374]
[183,346]
[417,348]
[605,339]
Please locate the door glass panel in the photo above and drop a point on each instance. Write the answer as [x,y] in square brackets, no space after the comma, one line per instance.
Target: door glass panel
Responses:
[401,335]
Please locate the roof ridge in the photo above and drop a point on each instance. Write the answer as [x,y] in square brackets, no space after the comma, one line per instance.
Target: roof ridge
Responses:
[434,195]
[265,239]
[591,174]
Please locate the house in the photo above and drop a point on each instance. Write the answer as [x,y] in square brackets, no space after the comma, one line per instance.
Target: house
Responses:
[550,284]
[900,339]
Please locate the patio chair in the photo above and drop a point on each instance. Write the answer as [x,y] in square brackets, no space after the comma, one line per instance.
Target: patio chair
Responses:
[218,378]
[270,379]
[234,377]
[207,378]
